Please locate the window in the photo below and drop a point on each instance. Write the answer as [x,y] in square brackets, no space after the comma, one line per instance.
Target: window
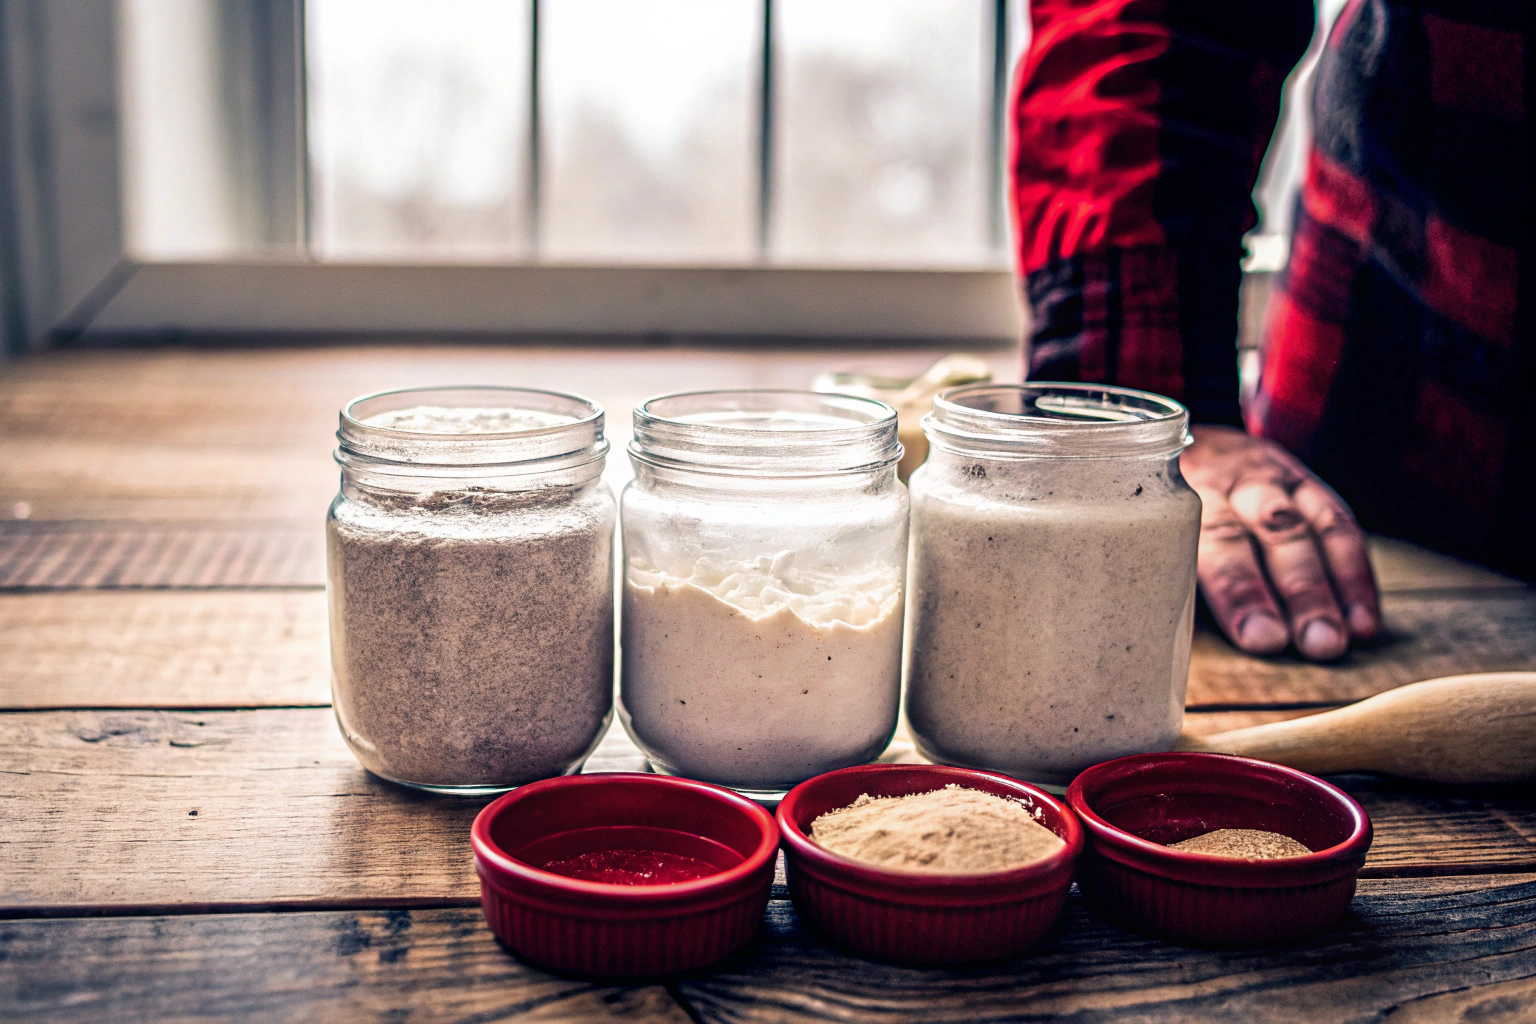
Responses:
[765,168]
[418,127]
[648,147]
[882,122]
[802,132]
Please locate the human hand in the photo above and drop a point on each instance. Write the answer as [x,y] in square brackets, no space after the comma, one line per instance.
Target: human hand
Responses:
[1281,556]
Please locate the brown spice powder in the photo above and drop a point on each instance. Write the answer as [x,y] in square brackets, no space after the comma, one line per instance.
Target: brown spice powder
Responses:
[1248,843]
[953,830]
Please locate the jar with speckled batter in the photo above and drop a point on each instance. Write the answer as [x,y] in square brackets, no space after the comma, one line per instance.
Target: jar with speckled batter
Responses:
[1052,582]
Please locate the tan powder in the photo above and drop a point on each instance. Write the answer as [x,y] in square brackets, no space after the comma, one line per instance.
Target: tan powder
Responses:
[951,830]
[1250,843]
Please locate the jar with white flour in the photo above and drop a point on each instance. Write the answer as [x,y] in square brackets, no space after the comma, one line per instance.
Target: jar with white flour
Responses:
[470,557]
[1053,578]
[765,541]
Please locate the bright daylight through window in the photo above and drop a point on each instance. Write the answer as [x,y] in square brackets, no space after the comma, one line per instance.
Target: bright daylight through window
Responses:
[863,132]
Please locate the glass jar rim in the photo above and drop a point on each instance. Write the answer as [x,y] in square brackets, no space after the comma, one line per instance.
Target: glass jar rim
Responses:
[776,432]
[1049,419]
[575,440]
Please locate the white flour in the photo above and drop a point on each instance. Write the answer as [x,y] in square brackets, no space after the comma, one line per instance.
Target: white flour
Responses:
[756,675]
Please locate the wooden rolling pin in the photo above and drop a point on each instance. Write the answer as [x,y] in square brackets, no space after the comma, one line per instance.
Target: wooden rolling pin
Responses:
[1459,729]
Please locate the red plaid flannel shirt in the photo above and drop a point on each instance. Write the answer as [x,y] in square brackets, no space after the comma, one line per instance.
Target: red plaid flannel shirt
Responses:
[1397,359]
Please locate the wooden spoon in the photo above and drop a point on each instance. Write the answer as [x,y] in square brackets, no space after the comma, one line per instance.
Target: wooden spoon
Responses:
[1458,729]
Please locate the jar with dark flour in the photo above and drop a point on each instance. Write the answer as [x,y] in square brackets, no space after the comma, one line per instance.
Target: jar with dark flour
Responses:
[1052,579]
[471,586]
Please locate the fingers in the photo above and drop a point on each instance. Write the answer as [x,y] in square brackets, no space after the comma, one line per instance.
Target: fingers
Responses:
[1345,554]
[1295,566]
[1234,583]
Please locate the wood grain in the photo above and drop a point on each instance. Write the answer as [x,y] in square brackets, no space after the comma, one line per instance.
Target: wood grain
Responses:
[73,554]
[364,966]
[1402,566]
[1469,941]
[187,467]
[118,811]
[145,811]
[1510,1002]
[1428,634]
[233,433]
[1425,830]
[239,433]
[222,649]
[1415,950]
[164,649]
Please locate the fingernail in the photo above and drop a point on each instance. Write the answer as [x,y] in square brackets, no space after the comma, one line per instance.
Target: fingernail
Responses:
[1262,632]
[1361,621]
[1321,639]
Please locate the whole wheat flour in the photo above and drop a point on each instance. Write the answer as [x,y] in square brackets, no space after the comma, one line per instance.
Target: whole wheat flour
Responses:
[472,632]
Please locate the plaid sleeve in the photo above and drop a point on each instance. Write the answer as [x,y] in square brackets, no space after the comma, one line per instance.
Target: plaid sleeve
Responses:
[1421,187]
[1138,128]
[1395,361]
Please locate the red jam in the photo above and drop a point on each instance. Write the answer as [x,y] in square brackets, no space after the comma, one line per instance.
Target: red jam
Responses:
[632,867]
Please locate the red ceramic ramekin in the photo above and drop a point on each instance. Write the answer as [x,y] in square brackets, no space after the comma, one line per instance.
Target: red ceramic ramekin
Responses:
[623,930]
[1133,806]
[914,917]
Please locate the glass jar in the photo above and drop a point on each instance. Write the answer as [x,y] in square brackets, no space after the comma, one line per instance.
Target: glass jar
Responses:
[1053,578]
[470,578]
[765,540]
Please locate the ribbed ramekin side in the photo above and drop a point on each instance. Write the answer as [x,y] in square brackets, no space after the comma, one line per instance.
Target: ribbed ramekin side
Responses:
[622,947]
[1213,914]
[914,933]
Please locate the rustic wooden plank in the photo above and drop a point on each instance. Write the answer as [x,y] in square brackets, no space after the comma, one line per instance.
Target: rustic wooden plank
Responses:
[203,649]
[1511,1002]
[1428,634]
[1402,566]
[210,433]
[218,649]
[1415,950]
[207,810]
[115,812]
[363,966]
[241,433]
[1445,830]
[617,753]
[1404,941]
[126,553]
[72,554]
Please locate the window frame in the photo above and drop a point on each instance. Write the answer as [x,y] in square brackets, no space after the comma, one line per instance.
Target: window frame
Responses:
[69,267]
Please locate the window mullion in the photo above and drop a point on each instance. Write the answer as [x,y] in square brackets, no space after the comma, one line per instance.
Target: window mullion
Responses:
[765,134]
[535,176]
[996,139]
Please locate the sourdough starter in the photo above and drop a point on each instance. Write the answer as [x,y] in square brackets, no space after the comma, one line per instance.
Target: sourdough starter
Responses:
[1052,607]
[756,675]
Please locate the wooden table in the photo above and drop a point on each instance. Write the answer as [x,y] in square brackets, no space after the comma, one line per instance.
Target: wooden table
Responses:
[186,837]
